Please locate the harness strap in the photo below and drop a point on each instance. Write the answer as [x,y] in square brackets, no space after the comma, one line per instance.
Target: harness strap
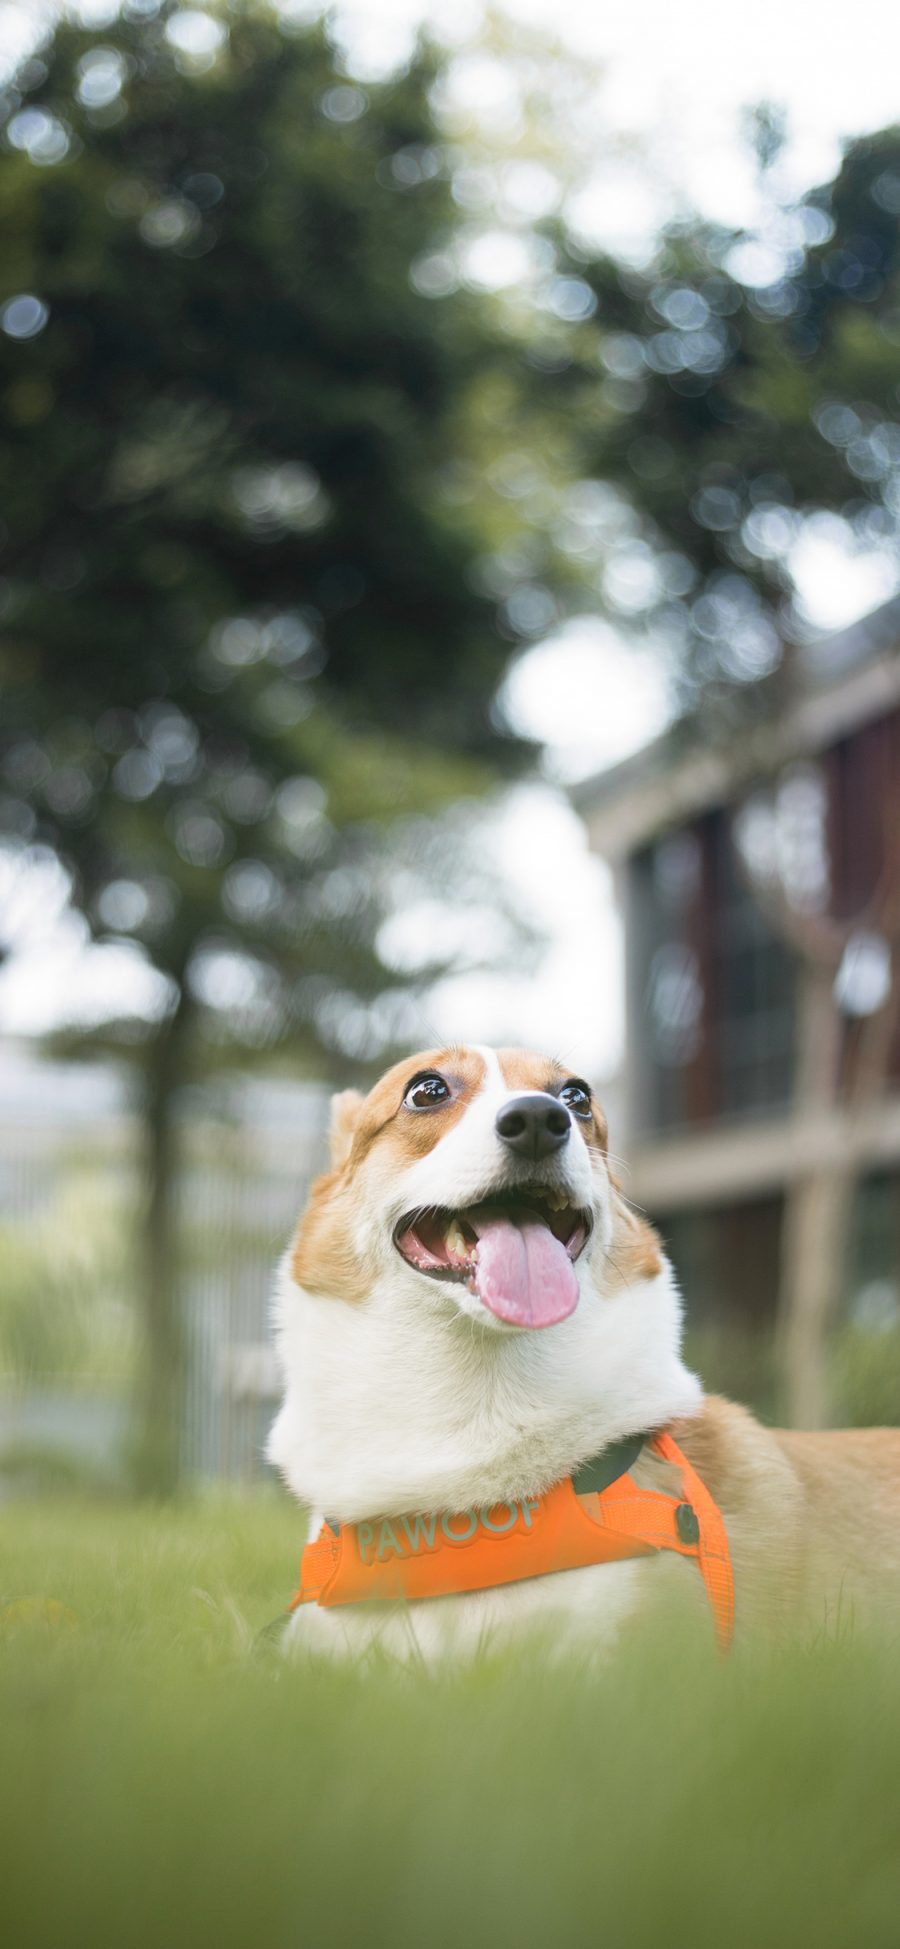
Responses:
[410,1558]
[713,1553]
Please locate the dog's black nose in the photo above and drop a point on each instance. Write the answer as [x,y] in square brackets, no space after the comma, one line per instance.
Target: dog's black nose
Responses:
[533,1125]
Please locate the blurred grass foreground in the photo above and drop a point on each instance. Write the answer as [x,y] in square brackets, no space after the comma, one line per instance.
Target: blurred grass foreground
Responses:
[162,1784]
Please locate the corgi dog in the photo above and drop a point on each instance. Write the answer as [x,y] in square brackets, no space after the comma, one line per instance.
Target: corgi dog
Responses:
[468,1315]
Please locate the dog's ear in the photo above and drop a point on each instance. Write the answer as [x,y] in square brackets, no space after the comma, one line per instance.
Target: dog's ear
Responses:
[345,1109]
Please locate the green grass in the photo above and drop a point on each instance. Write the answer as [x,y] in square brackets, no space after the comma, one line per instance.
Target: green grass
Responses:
[162,1784]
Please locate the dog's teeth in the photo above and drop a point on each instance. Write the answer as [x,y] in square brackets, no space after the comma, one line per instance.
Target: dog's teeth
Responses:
[454,1241]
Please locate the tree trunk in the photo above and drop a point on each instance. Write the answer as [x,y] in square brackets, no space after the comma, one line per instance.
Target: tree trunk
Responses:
[819,1203]
[161,1372]
[806,1283]
[815,1248]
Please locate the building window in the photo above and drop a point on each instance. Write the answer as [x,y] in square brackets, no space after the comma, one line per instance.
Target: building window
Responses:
[753,1019]
[710,984]
[669,1004]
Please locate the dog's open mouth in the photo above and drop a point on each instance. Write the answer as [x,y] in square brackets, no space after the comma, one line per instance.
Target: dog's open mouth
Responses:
[515,1250]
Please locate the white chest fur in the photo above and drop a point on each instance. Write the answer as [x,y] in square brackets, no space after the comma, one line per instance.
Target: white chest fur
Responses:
[581,1610]
[398,1406]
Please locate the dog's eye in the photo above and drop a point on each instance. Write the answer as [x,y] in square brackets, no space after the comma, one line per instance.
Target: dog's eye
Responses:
[426,1092]
[578,1098]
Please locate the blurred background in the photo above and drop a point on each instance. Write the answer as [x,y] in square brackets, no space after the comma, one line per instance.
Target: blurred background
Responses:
[449,496]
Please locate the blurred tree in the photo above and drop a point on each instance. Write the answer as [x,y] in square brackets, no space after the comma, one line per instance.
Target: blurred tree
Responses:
[750,383]
[241,620]
[752,387]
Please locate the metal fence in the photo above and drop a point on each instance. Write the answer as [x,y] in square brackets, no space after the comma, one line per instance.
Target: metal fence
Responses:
[70,1185]
[240,1203]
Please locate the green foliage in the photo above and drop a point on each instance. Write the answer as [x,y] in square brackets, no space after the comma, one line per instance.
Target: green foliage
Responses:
[162,1783]
[730,411]
[739,1360]
[240,614]
[865,1377]
[736,1358]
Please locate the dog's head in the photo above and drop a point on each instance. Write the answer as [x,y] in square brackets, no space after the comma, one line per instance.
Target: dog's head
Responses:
[478,1179]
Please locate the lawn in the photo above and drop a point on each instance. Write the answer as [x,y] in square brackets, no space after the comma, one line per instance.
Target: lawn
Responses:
[162,1783]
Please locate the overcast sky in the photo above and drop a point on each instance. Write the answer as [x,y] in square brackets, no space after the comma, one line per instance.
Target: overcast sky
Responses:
[677,74]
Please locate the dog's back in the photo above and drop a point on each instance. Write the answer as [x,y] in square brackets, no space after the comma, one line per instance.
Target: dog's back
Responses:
[813,1519]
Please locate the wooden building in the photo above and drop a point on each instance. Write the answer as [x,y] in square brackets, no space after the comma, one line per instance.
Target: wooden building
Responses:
[715,1134]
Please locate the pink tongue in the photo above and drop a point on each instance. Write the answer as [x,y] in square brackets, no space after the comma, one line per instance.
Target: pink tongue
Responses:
[523,1274]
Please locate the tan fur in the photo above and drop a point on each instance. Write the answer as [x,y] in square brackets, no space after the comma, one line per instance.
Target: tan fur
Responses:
[381,1113]
[345,1109]
[813,1519]
[635,1252]
[325,1259]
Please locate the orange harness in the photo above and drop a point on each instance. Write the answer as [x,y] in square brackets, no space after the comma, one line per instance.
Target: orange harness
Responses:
[412,1557]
